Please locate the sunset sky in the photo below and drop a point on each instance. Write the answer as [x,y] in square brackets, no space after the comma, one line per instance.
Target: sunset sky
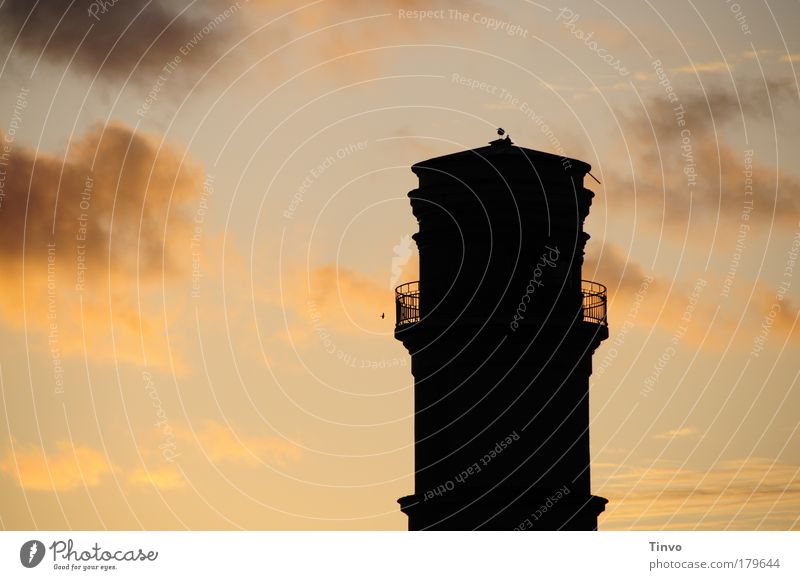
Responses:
[204,212]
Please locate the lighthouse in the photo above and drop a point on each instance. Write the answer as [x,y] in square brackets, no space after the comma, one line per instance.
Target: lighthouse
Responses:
[501,329]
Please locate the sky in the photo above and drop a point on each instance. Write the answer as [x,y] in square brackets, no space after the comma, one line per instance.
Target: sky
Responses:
[204,212]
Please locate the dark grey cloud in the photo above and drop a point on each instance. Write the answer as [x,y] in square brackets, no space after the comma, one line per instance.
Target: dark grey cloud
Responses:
[117,39]
[684,155]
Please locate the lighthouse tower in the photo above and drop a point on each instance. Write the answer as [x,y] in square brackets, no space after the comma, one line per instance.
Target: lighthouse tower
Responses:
[501,329]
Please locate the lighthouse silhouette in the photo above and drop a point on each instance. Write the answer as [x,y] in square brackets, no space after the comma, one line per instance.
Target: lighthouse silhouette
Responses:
[501,329]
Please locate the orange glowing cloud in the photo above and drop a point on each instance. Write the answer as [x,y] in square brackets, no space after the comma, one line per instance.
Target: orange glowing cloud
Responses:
[67,468]
[165,478]
[335,299]
[687,310]
[221,443]
[747,494]
[74,466]
[90,242]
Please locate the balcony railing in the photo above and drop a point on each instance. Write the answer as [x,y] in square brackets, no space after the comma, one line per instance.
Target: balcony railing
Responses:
[595,300]
[406,301]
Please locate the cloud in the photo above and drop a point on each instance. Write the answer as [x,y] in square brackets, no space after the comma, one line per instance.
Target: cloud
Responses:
[72,466]
[611,264]
[331,285]
[752,493]
[129,36]
[679,433]
[335,28]
[705,110]
[96,234]
[755,54]
[67,468]
[114,177]
[642,298]
[338,300]
[639,297]
[143,39]
[790,58]
[139,37]
[693,167]
[165,478]
[697,67]
[221,443]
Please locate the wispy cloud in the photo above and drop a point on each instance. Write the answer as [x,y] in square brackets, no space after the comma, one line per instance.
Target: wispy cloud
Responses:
[335,298]
[167,477]
[755,54]
[753,493]
[683,432]
[698,67]
[71,466]
[221,443]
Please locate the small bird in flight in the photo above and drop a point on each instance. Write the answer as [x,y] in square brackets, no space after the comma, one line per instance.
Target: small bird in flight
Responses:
[383,315]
